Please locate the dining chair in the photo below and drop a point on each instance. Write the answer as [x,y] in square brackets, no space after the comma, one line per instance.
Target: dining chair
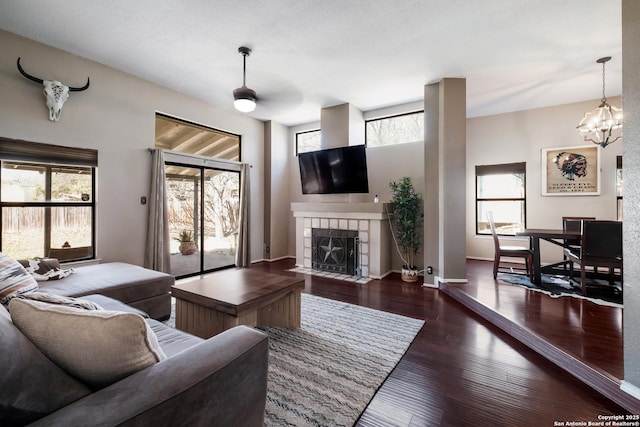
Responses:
[600,246]
[511,252]
[573,223]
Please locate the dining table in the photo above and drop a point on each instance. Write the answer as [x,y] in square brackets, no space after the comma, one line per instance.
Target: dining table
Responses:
[556,236]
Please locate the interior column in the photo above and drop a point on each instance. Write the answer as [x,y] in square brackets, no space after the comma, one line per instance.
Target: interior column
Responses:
[445,180]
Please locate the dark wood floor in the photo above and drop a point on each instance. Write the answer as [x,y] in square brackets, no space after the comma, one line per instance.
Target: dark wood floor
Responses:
[462,370]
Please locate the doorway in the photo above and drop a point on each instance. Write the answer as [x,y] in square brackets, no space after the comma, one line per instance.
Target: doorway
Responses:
[203,194]
[203,207]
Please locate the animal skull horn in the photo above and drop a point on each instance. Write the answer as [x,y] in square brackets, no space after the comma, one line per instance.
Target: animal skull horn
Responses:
[55,92]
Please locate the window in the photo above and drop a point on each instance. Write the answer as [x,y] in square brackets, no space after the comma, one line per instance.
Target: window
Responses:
[619,186]
[392,130]
[47,202]
[186,137]
[501,190]
[307,141]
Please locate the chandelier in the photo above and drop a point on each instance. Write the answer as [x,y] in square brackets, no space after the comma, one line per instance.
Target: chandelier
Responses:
[603,124]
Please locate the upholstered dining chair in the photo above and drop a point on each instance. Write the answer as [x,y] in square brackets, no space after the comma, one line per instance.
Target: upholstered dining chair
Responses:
[601,246]
[573,223]
[510,252]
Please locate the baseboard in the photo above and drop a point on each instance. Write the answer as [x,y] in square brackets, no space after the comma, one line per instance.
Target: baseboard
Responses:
[435,284]
[272,259]
[437,280]
[383,275]
[280,258]
[631,389]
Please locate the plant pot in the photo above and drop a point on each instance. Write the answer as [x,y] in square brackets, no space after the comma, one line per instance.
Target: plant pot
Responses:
[409,274]
[187,248]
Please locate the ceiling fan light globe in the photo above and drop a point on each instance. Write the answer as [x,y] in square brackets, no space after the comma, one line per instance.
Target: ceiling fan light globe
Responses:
[244,99]
[244,105]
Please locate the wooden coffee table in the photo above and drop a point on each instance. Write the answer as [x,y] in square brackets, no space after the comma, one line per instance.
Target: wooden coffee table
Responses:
[241,296]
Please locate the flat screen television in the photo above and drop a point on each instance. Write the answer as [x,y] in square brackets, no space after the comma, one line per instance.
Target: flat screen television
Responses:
[334,171]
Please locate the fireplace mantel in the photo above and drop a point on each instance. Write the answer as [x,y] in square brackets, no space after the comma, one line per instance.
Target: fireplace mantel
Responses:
[369,219]
[376,211]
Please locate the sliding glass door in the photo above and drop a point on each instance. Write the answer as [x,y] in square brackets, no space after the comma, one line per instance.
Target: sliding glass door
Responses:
[220,214]
[203,215]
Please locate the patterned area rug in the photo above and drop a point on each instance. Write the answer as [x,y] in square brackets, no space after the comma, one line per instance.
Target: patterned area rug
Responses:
[560,286]
[326,372]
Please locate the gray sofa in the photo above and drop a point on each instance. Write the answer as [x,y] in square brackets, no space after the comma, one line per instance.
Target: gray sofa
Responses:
[221,381]
[142,288]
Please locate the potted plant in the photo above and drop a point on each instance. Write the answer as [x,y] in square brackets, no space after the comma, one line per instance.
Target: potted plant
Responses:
[406,219]
[187,244]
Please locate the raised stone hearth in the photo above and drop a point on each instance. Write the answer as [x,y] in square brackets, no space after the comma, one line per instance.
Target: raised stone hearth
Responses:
[368,220]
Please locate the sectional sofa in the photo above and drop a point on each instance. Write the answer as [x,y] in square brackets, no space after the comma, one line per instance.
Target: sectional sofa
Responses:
[138,287]
[188,381]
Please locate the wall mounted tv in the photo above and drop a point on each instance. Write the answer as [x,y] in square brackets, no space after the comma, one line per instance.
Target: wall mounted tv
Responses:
[334,171]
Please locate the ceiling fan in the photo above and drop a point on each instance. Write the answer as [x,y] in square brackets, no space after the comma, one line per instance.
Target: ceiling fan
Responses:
[244,97]
[283,95]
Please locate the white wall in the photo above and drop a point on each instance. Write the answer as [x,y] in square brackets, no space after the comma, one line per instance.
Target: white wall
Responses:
[277,203]
[519,137]
[116,115]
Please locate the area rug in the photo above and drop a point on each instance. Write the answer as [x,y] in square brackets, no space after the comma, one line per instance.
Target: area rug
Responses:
[560,286]
[326,372]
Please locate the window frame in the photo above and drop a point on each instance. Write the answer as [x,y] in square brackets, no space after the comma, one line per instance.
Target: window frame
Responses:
[161,117]
[392,116]
[500,169]
[51,157]
[297,151]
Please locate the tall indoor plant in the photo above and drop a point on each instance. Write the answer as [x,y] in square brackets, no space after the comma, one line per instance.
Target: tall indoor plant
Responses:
[406,220]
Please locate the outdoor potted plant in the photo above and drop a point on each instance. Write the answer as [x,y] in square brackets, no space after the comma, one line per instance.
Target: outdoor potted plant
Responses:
[406,220]
[187,244]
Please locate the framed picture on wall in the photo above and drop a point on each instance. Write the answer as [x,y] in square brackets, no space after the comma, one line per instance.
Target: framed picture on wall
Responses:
[571,171]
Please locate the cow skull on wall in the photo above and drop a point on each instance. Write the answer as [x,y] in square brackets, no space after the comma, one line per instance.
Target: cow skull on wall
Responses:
[55,92]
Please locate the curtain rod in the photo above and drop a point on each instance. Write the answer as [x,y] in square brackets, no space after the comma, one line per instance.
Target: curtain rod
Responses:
[196,156]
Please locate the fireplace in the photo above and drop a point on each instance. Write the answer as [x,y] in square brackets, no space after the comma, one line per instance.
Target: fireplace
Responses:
[368,222]
[335,251]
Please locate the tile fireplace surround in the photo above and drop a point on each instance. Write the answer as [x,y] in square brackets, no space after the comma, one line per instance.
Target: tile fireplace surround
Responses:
[370,220]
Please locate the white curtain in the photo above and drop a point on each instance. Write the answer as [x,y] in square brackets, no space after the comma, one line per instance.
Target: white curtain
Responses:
[157,254]
[242,254]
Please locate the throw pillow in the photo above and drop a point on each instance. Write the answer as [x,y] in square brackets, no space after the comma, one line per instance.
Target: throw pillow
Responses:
[98,347]
[14,279]
[43,269]
[60,300]
[32,385]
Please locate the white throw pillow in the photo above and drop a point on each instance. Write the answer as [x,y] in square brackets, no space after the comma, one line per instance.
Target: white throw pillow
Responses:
[98,347]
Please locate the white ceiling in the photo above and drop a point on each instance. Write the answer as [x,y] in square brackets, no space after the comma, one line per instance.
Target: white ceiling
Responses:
[310,54]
